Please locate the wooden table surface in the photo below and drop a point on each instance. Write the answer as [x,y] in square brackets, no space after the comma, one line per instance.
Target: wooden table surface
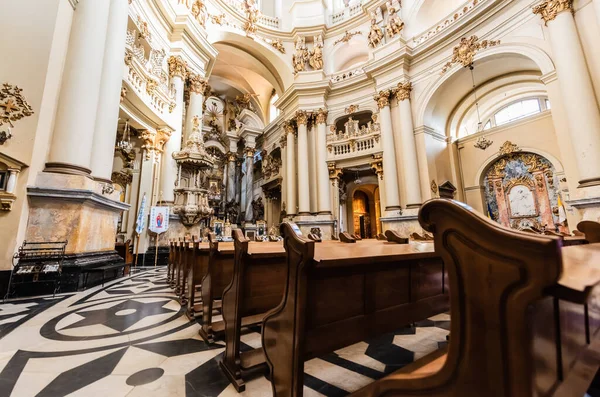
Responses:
[371,250]
[226,247]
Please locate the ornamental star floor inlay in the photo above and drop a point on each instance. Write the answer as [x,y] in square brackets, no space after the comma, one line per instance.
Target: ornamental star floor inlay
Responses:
[132,338]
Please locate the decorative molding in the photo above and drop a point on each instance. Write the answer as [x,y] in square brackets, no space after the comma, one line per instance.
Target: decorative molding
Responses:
[14,104]
[507,148]
[349,110]
[177,67]
[347,37]
[483,143]
[77,194]
[465,51]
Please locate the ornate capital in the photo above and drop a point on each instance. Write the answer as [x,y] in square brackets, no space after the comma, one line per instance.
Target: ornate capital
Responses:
[301,117]
[288,127]
[162,137]
[549,9]
[148,138]
[122,178]
[382,99]
[231,157]
[249,151]
[321,117]
[197,84]
[403,91]
[177,67]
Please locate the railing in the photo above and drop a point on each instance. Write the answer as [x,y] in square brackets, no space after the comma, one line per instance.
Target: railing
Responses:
[362,145]
[346,13]
[264,20]
[342,76]
[158,95]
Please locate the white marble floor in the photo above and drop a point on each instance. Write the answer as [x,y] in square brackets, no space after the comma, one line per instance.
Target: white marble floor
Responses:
[131,338]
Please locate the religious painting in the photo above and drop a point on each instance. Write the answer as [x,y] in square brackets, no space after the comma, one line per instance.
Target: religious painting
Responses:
[261,228]
[522,191]
[218,228]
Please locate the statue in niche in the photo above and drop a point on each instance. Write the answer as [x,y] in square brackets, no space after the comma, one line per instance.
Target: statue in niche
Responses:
[300,56]
[375,35]
[316,55]
[394,25]
[258,210]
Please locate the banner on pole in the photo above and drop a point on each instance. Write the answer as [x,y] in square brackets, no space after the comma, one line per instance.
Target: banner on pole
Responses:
[159,219]
[140,223]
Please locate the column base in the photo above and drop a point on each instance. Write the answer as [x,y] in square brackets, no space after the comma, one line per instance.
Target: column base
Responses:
[66,168]
[304,214]
[102,180]
[393,208]
[324,213]
[412,206]
[309,224]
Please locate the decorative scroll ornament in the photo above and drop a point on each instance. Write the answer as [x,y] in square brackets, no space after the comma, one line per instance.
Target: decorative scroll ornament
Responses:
[465,51]
[283,141]
[218,19]
[382,99]
[13,104]
[162,137]
[349,110]
[252,13]
[375,34]
[277,44]
[144,30]
[434,187]
[334,173]
[346,37]
[377,164]
[108,188]
[199,12]
[301,117]
[483,143]
[508,147]
[549,9]
[151,85]
[403,91]
[147,138]
[321,117]
[177,67]
[197,84]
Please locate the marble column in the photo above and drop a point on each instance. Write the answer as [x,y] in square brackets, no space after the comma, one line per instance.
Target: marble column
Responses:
[249,184]
[291,182]
[390,172]
[324,199]
[231,180]
[238,183]
[197,86]
[581,108]
[105,130]
[312,164]
[408,150]
[303,170]
[71,148]
[334,175]
[284,176]
[169,171]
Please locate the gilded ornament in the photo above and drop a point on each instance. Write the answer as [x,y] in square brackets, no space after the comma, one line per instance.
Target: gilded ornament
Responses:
[123,93]
[403,91]
[301,117]
[278,45]
[122,178]
[197,84]
[300,56]
[321,117]
[250,152]
[346,37]
[334,173]
[508,147]
[252,13]
[434,187]
[394,25]
[218,19]
[316,55]
[147,138]
[375,34]
[144,30]
[162,137]
[465,51]
[289,127]
[549,9]
[177,67]
[199,12]
[377,164]
[151,85]
[349,110]
[14,105]
[382,99]
[483,143]
[283,141]
[172,106]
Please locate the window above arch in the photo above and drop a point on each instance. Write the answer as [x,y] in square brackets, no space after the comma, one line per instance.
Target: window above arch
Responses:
[518,110]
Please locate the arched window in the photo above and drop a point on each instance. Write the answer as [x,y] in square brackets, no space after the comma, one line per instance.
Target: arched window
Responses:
[521,109]
[273,110]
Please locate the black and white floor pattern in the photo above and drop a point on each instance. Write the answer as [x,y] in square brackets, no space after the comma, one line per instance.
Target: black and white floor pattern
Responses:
[131,338]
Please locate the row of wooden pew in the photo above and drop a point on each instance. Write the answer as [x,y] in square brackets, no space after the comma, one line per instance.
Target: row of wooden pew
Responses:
[525,313]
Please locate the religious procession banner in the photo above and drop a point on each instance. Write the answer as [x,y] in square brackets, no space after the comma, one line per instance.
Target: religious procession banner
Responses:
[140,223]
[159,219]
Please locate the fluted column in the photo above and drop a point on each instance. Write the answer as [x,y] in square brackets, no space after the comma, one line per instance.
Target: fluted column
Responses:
[575,84]
[197,86]
[303,171]
[71,148]
[408,152]
[390,172]
[249,184]
[324,198]
[290,172]
[231,181]
[168,175]
[105,130]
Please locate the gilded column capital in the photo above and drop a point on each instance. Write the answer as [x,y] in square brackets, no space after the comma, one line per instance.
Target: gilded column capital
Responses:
[403,91]
[301,117]
[321,116]
[148,137]
[231,157]
[162,137]
[382,99]
[288,127]
[197,84]
[549,9]
[249,151]
[177,66]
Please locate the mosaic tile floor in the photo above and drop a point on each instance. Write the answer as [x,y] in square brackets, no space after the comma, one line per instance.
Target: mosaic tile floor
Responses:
[132,338]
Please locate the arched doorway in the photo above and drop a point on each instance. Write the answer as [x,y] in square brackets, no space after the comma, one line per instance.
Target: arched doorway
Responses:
[364,212]
[522,191]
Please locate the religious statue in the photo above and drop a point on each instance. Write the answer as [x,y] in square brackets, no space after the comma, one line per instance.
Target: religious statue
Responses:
[394,25]
[316,55]
[232,211]
[375,35]
[258,210]
[300,56]
[252,13]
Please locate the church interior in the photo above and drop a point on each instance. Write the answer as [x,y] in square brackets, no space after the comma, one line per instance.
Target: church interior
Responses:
[289,198]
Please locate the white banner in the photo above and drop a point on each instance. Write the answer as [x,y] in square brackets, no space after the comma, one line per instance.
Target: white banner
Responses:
[141,220]
[159,219]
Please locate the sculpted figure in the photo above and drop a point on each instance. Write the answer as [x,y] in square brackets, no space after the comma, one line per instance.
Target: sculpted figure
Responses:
[316,55]
[375,35]
[394,25]
[300,55]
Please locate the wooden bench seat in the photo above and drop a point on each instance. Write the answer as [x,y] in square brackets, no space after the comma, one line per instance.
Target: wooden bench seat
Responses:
[196,273]
[338,294]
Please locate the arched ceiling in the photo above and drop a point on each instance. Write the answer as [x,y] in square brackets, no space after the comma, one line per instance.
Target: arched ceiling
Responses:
[237,72]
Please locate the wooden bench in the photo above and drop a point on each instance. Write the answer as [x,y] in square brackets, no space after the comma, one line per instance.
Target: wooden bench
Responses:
[196,273]
[525,314]
[338,294]
[257,286]
[591,230]
[217,278]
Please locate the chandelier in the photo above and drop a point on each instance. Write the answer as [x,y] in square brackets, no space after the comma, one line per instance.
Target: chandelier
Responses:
[125,144]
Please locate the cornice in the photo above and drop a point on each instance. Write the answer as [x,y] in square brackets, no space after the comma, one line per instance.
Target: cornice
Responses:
[79,195]
[431,132]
